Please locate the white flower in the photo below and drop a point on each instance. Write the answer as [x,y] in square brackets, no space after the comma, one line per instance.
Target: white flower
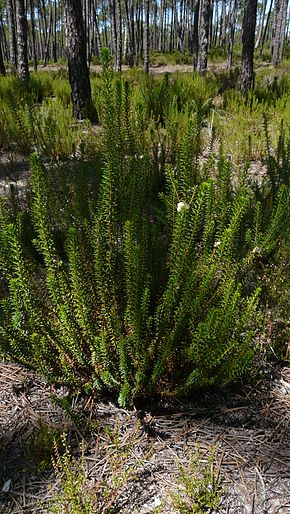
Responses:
[181,206]
[217,243]
[257,250]
[157,501]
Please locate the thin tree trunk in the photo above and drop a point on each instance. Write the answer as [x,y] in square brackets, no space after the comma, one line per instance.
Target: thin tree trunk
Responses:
[283,30]
[279,30]
[146,36]
[4,40]
[138,36]
[2,67]
[161,10]
[89,31]
[204,12]
[195,38]
[130,52]
[62,34]
[223,24]
[54,43]
[261,25]
[77,62]
[34,52]
[43,13]
[140,31]
[216,22]
[41,28]
[177,25]
[98,37]
[164,29]
[12,35]
[266,28]
[23,69]
[171,37]
[105,24]
[210,31]
[84,4]
[113,31]
[118,21]
[233,16]
[133,35]
[248,41]
[155,26]
[46,51]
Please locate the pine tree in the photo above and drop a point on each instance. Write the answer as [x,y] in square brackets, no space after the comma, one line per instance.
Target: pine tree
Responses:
[77,62]
[248,40]
[22,55]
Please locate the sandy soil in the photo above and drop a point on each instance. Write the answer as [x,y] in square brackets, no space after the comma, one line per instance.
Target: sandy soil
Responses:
[155,70]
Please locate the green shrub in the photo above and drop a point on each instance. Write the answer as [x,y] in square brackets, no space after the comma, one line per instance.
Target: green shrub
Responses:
[50,129]
[137,280]
[170,58]
[62,91]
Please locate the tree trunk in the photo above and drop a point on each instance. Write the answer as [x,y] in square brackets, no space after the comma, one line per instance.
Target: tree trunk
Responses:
[283,30]
[98,37]
[118,21]
[23,69]
[248,41]
[204,12]
[233,16]
[161,11]
[43,16]
[54,44]
[41,28]
[223,24]
[130,53]
[113,32]
[266,28]
[216,23]
[34,53]
[2,67]
[12,35]
[85,20]
[261,25]
[133,33]
[146,36]
[77,62]
[3,39]
[279,30]
[46,51]
[210,30]
[195,38]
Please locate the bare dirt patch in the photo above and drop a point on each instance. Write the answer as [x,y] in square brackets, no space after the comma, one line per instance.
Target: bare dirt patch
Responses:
[14,171]
[155,69]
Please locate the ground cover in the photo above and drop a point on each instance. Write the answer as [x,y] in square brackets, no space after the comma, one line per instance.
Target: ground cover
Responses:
[248,429]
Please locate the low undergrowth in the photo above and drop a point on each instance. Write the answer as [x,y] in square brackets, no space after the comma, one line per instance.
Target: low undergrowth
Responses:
[85,484]
[37,115]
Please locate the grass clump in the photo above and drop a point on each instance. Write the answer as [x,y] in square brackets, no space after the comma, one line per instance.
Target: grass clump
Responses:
[84,488]
[199,485]
[43,446]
